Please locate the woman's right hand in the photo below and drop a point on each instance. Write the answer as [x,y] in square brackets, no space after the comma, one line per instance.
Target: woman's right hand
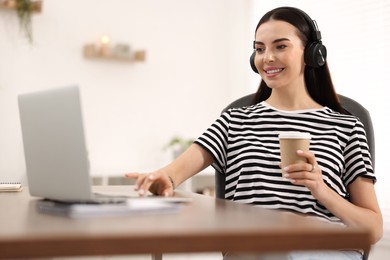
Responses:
[158,183]
[164,181]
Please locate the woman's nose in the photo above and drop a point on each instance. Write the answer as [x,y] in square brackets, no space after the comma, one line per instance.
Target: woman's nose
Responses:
[269,56]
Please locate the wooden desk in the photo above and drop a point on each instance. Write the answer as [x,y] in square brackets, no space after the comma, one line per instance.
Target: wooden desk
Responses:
[204,225]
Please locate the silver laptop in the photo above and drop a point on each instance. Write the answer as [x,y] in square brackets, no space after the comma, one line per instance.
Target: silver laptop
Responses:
[54,146]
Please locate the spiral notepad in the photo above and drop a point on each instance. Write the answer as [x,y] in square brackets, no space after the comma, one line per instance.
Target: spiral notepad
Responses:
[10,186]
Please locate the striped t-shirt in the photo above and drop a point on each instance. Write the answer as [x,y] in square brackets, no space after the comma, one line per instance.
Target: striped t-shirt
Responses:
[245,147]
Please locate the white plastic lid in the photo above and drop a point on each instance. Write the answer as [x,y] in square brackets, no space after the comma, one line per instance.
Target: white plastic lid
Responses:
[294,135]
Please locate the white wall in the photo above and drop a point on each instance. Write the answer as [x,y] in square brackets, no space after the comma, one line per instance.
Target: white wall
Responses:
[196,63]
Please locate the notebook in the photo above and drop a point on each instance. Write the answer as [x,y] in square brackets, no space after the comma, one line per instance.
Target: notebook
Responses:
[55,151]
[130,207]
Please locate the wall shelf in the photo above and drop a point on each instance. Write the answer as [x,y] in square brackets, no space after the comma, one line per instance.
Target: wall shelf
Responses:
[11,5]
[92,51]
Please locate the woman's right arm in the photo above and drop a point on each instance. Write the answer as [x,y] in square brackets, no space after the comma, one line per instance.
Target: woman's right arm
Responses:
[166,179]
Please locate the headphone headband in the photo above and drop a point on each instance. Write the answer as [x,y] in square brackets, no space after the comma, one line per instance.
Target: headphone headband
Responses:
[315,32]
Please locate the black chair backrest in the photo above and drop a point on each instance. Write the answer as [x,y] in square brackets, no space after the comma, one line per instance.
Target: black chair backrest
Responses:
[352,106]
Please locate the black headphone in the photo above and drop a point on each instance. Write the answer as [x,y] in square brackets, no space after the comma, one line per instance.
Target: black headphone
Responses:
[315,51]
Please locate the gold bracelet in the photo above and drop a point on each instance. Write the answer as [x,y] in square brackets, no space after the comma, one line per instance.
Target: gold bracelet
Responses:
[172,182]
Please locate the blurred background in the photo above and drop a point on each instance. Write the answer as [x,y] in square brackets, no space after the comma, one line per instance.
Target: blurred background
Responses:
[196,61]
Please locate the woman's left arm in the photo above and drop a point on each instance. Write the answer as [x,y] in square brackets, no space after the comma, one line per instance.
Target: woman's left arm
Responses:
[363,208]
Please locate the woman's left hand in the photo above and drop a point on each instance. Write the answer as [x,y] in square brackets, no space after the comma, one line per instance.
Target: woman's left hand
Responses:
[306,174]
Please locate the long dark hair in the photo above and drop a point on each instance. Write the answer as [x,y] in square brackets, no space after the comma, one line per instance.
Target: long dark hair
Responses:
[318,80]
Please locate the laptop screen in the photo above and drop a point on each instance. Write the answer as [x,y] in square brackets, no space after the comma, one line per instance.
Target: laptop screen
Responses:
[54,144]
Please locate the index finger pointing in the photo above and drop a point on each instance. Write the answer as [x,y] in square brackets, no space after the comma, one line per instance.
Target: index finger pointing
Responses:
[133,175]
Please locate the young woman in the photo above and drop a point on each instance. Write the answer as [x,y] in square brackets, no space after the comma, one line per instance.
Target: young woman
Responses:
[295,94]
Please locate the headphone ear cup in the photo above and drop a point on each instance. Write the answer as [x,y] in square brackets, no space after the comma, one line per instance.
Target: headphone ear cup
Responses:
[315,55]
[252,62]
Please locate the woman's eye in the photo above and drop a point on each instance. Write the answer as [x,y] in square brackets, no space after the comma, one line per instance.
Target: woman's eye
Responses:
[259,49]
[281,47]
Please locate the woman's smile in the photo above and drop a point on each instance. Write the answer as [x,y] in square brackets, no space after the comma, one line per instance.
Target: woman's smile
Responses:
[273,72]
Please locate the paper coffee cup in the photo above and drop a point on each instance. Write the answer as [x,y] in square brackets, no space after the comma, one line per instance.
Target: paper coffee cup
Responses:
[290,142]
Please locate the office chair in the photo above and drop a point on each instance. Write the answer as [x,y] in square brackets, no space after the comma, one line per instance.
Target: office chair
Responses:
[350,105]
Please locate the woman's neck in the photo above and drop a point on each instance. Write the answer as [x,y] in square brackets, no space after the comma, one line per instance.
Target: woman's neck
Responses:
[296,99]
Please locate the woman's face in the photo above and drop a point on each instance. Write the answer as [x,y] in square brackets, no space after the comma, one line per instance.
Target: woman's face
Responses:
[279,54]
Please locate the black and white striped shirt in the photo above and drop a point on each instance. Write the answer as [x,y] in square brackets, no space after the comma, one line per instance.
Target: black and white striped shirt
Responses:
[245,147]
